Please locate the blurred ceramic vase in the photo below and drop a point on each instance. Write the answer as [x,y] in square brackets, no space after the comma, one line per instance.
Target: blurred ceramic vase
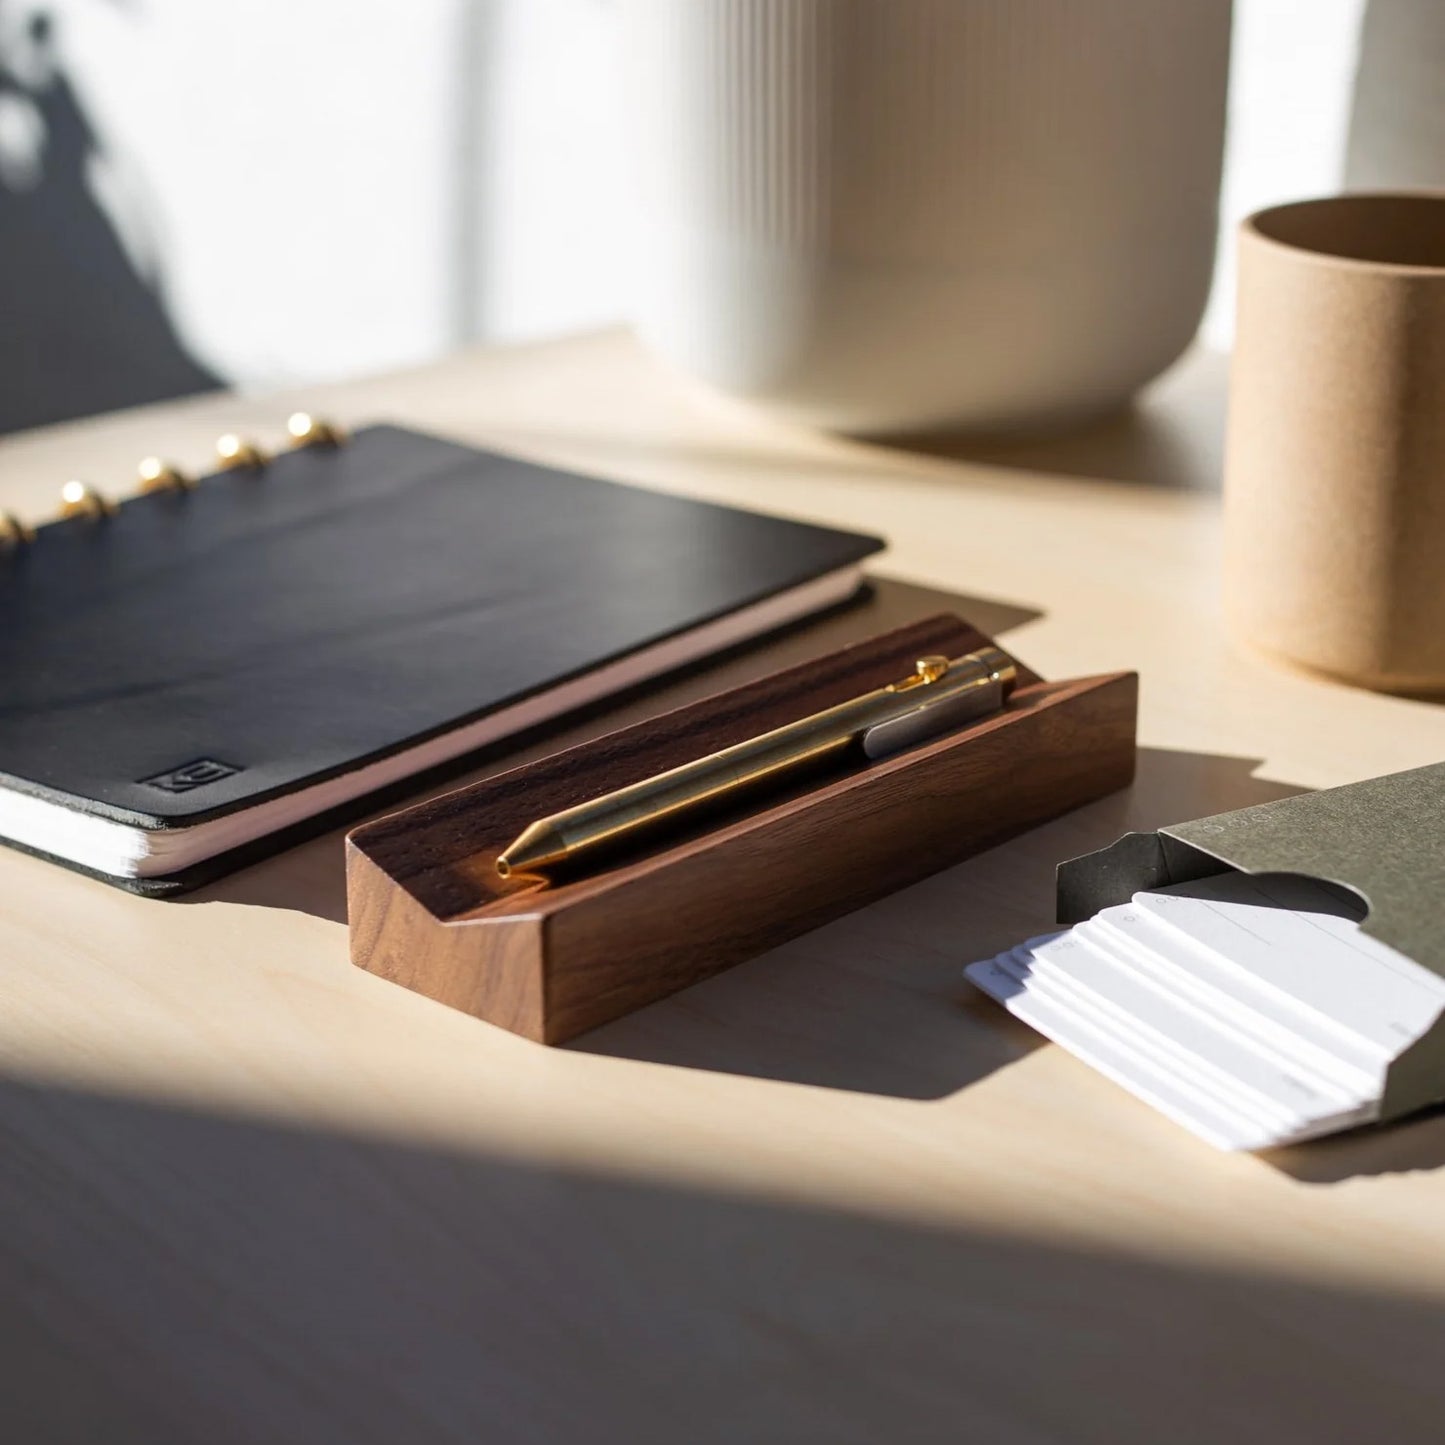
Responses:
[907,215]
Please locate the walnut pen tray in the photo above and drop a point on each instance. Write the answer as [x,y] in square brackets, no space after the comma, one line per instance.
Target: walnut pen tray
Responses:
[428,910]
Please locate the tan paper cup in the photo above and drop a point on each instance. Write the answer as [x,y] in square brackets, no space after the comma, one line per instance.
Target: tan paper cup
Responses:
[1335,468]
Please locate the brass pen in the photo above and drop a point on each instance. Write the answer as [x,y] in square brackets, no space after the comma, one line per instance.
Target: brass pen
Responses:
[938,695]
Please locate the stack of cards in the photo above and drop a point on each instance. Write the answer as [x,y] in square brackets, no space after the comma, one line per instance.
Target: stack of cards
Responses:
[1250,1009]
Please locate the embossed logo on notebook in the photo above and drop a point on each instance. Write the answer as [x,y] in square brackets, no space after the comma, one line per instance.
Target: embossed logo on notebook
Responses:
[191,775]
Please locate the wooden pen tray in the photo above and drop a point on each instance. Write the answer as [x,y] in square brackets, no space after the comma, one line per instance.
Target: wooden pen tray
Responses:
[428,910]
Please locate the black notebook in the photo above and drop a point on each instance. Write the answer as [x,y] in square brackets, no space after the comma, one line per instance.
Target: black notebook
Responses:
[204,675]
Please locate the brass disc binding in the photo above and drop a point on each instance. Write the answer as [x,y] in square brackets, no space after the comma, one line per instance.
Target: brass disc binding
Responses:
[305,430]
[79,500]
[235,453]
[155,474]
[160,476]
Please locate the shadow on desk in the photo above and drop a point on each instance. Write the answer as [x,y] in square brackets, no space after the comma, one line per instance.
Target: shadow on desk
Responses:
[1170,437]
[1144,443]
[1409,1146]
[875,1003]
[169,1277]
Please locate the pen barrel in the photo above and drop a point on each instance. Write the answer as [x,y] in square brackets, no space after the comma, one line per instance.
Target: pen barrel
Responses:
[766,760]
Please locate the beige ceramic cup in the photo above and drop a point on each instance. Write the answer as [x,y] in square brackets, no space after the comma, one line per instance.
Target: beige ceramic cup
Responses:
[1335,470]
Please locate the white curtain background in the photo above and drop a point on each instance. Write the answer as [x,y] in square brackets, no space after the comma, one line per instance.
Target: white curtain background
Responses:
[317,188]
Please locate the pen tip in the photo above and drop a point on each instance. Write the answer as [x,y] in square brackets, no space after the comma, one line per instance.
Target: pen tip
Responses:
[536,850]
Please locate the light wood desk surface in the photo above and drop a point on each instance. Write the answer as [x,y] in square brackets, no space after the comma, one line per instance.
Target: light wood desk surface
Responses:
[250,1193]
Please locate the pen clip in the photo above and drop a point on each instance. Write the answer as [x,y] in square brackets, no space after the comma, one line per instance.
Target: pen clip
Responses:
[930,719]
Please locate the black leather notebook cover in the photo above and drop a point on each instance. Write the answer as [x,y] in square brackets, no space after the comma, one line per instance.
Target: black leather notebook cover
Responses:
[201,653]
